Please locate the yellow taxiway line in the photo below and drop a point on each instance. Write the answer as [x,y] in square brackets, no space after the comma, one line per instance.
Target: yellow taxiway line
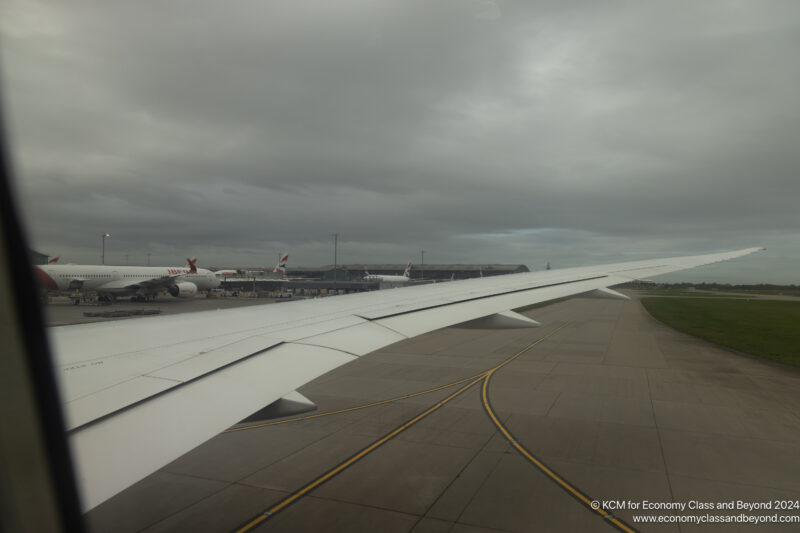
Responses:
[348,462]
[356,408]
[571,489]
[471,381]
[484,378]
[396,399]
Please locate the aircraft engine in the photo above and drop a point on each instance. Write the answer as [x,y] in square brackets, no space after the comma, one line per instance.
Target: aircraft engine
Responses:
[183,289]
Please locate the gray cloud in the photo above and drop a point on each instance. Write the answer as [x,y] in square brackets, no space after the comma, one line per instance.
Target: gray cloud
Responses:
[479,131]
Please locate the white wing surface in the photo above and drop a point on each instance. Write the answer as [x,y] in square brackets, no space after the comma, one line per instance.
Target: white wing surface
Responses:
[140,393]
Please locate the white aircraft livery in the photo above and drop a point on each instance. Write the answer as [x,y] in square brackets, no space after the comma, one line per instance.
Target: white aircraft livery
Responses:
[139,282]
[154,384]
[280,268]
[393,279]
[226,273]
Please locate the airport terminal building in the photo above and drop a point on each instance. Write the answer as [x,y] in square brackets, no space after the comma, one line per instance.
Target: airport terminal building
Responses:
[350,278]
[418,272]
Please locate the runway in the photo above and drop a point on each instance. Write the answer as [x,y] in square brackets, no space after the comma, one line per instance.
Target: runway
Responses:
[511,430]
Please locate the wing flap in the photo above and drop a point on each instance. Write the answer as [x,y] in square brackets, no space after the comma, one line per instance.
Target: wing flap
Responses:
[106,386]
[86,376]
[209,361]
[314,328]
[88,408]
[358,340]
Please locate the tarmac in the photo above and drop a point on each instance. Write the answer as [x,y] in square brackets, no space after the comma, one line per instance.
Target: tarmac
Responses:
[60,311]
[602,403]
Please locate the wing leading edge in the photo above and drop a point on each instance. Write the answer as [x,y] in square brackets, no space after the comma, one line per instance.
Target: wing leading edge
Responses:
[138,394]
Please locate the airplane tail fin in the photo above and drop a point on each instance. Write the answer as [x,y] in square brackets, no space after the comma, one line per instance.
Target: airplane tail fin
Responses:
[54,260]
[192,264]
[407,272]
[281,266]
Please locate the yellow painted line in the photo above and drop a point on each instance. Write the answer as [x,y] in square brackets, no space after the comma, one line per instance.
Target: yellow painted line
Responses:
[473,380]
[352,460]
[398,398]
[527,348]
[563,483]
[356,408]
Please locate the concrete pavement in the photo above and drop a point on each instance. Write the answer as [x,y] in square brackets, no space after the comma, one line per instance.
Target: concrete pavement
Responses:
[618,405]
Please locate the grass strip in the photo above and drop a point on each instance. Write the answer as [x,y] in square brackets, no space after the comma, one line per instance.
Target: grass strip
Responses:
[766,328]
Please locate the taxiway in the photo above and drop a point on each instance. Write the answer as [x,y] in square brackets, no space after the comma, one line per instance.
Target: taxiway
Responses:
[614,405]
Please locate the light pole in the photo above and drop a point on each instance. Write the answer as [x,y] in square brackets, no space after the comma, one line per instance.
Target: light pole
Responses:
[103,253]
[422,264]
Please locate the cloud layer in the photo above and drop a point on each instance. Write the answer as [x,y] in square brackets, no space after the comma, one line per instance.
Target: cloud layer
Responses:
[478,131]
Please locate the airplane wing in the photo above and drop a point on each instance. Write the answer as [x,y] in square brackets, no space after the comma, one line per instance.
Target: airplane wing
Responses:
[76,283]
[156,284]
[140,393]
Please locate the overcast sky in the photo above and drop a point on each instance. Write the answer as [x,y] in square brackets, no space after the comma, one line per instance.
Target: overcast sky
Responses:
[480,131]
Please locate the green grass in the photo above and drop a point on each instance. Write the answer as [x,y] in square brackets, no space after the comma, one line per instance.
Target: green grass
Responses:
[720,293]
[766,328]
[688,294]
[794,293]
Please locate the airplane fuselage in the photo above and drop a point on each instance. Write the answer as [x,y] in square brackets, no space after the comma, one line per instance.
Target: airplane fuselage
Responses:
[388,279]
[404,278]
[121,280]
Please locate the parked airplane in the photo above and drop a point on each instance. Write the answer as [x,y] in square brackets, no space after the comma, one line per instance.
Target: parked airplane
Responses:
[124,382]
[222,274]
[142,283]
[280,268]
[386,278]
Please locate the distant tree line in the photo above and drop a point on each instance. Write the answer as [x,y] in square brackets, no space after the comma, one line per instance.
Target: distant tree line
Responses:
[710,286]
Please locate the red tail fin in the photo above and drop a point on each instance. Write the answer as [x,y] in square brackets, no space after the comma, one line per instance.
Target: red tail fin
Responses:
[192,265]
[281,266]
